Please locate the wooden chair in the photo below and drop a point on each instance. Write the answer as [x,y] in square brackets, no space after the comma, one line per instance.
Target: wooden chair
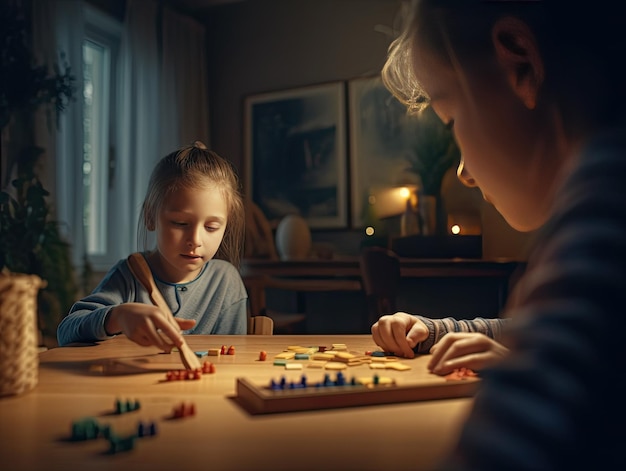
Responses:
[380,276]
[260,325]
[259,243]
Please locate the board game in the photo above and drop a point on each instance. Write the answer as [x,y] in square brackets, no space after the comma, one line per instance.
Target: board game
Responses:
[313,377]
[347,388]
[257,399]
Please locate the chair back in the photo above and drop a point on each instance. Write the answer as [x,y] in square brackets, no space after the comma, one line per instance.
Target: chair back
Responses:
[260,325]
[380,275]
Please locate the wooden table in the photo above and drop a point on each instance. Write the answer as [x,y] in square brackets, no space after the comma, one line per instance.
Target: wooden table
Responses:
[35,426]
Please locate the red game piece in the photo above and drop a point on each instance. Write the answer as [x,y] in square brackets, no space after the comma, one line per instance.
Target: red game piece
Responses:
[263,356]
[184,410]
[231,350]
[223,350]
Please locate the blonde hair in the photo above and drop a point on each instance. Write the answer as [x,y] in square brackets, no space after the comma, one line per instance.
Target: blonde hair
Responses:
[397,73]
[196,166]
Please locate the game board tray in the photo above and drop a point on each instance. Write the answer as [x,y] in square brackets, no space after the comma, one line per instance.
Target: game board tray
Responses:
[263,400]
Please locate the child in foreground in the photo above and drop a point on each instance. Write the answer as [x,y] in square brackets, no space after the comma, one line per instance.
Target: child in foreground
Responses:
[194,206]
[535,96]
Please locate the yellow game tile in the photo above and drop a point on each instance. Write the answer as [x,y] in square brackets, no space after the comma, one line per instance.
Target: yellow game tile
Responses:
[396,365]
[286,355]
[322,356]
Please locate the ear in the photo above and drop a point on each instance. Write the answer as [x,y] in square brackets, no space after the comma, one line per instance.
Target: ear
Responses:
[518,54]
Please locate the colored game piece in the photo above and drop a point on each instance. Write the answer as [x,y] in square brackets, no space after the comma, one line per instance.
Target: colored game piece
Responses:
[201,354]
[231,350]
[215,352]
[184,410]
[461,374]
[196,374]
[223,350]
[122,407]
[121,444]
[262,356]
[85,429]
[288,355]
[144,430]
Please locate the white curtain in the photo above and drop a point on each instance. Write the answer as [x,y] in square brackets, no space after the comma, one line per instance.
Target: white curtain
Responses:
[162,103]
[163,100]
[138,111]
[57,39]
[184,113]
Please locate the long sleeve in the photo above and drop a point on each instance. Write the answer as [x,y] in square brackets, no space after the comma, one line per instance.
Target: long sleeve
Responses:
[85,321]
[216,300]
[554,402]
[437,328]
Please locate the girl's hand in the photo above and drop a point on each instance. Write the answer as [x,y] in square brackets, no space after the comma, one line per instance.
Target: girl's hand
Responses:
[464,349]
[146,325]
[399,333]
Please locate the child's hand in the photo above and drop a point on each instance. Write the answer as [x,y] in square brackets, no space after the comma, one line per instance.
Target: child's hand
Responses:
[399,333]
[464,349]
[146,325]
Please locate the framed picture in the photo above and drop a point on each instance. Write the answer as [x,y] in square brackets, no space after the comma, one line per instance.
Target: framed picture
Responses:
[382,143]
[295,152]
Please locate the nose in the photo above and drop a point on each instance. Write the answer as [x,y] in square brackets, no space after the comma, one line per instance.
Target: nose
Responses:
[194,238]
[463,175]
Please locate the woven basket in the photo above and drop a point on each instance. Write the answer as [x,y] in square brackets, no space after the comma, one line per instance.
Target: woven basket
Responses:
[19,360]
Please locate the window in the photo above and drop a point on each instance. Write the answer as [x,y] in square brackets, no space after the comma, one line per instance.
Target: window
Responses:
[100,53]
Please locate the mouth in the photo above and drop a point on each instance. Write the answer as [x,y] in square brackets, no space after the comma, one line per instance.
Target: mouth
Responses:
[191,257]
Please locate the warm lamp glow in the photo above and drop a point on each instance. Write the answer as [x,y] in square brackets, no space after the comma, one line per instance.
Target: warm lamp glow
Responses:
[369,231]
[387,202]
[464,223]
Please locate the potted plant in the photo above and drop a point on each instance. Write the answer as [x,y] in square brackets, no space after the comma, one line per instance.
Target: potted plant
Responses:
[30,239]
[435,152]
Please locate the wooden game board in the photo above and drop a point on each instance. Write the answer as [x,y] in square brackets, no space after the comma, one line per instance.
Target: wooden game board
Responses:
[264,400]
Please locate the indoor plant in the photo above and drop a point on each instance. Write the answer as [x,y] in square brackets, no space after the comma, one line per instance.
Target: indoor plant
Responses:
[30,239]
[434,153]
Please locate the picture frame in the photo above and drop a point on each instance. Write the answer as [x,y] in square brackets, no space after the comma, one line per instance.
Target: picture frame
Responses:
[296,154]
[381,145]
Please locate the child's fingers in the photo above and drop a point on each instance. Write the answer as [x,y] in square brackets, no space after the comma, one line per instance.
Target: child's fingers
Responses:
[185,324]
